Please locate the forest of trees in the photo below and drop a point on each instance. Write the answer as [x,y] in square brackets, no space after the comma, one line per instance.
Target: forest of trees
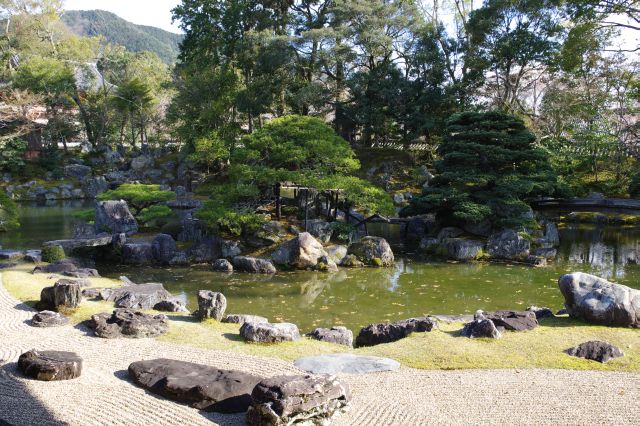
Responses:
[384,74]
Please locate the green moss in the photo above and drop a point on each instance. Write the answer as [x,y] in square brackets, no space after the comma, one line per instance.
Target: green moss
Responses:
[51,254]
[376,261]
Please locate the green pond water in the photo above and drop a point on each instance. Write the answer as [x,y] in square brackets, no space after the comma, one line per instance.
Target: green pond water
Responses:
[356,297]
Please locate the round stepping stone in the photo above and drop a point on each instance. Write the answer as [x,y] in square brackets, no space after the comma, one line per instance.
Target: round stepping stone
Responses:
[50,365]
[49,319]
[345,363]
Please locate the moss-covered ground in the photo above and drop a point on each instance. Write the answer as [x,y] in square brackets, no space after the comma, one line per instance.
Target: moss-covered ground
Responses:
[442,348]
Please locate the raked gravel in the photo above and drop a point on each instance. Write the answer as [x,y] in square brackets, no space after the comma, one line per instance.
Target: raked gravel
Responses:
[103,395]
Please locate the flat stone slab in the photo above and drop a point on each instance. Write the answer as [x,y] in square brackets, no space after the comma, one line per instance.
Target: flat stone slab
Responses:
[345,363]
[49,319]
[128,323]
[200,386]
[50,365]
[79,243]
[11,254]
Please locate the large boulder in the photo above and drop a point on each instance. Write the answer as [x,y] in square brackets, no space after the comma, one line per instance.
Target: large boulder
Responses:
[461,249]
[320,229]
[373,251]
[92,186]
[50,365]
[304,399]
[128,323]
[114,217]
[222,265]
[596,350]
[267,234]
[137,253]
[201,386]
[49,319]
[64,292]
[302,252]
[205,250]
[136,296]
[77,171]
[375,334]
[336,253]
[596,300]
[269,332]
[254,265]
[337,334]
[101,240]
[211,305]
[170,306]
[163,248]
[508,244]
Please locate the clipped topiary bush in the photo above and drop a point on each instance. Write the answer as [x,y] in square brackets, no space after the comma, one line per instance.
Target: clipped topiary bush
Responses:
[51,254]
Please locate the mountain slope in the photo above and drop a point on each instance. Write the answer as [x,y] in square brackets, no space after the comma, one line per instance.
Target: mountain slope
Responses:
[91,23]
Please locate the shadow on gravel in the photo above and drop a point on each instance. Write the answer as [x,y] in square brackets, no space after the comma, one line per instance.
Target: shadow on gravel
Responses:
[219,418]
[26,306]
[182,318]
[17,406]
[84,328]
[232,336]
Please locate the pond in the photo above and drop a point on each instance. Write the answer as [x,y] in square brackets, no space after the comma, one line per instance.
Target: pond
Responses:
[355,297]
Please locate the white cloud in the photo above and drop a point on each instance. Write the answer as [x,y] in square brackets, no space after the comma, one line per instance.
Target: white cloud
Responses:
[156,13]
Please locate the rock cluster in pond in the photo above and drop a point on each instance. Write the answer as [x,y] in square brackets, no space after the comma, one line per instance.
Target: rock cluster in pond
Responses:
[114,217]
[372,251]
[49,319]
[302,252]
[345,363]
[308,399]
[211,304]
[136,296]
[269,332]
[222,265]
[201,386]
[254,265]
[596,351]
[375,334]
[596,300]
[64,292]
[50,365]
[337,334]
[508,244]
[242,318]
[128,323]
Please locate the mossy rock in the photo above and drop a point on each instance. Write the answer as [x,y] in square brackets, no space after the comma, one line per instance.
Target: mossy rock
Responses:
[52,254]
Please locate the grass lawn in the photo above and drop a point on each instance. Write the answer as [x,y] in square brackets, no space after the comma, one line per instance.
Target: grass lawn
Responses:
[442,348]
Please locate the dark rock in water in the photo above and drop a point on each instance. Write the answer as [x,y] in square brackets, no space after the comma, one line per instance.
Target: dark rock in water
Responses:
[599,301]
[205,250]
[541,312]
[513,320]
[163,248]
[136,296]
[242,318]
[269,332]
[254,265]
[211,305]
[50,365]
[114,217]
[128,323]
[82,273]
[461,249]
[49,319]
[418,227]
[137,253]
[222,265]
[170,306]
[11,254]
[508,244]
[61,267]
[6,265]
[548,253]
[201,386]
[63,293]
[596,350]
[345,363]
[287,400]
[372,251]
[537,261]
[375,334]
[302,252]
[481,328]
[351,261]
[339,335]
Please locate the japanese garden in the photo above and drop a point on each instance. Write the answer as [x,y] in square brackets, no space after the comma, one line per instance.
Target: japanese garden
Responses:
[314,212]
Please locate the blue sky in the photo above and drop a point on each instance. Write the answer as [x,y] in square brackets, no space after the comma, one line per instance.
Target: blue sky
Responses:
[156,13]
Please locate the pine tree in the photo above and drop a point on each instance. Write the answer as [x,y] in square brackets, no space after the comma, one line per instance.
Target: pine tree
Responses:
[490,166]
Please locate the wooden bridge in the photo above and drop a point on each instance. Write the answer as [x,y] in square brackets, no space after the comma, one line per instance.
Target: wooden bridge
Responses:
[596,205]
